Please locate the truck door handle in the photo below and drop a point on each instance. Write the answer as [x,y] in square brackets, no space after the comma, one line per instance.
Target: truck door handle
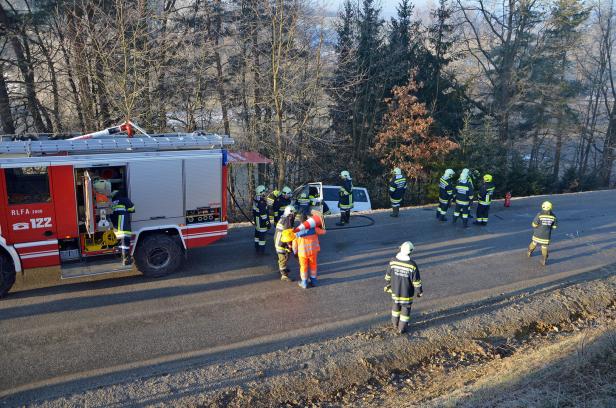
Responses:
[48,233]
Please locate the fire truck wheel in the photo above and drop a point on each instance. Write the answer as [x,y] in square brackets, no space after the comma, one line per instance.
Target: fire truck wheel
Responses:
[7,274]
[158,255]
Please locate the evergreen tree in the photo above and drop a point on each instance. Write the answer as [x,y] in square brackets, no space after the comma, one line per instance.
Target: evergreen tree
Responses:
[369,106]
[400,47]
[342,87]
[442,95]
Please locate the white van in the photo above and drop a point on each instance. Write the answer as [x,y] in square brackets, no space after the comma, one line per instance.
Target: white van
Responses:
[329,195]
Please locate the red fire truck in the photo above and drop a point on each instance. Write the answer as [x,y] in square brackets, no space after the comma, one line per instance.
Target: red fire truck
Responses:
[55,202]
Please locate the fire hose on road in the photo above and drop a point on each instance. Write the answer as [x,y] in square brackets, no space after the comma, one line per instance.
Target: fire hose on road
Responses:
[370,223]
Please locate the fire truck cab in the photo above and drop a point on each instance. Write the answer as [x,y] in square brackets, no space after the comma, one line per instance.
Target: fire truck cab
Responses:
[56,202]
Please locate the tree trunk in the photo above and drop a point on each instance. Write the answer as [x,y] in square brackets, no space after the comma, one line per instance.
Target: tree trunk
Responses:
[607,157]
[8,126]
[27,72]
[215,34]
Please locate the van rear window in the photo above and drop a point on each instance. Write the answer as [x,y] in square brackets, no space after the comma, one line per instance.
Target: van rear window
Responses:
[27,185]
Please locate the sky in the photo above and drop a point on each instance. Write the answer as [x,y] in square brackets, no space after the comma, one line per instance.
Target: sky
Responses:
[388,7]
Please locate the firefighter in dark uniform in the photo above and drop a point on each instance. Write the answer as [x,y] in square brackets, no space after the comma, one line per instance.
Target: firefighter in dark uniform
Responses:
[277,201]
[122,208]
[345,198]
[305,202]
[402,280]
[464,196]
[397,188]
[484,199]
[445,194]
[543,224]
[261,219]
[284,249]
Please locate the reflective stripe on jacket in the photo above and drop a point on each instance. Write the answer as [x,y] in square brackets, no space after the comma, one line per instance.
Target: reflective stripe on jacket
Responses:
[543,224]
[397,187]
[307,245]
[485,193]
[345,195]
[464,192]
[403,277]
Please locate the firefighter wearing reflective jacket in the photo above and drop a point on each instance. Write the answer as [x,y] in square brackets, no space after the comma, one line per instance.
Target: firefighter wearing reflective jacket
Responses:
[402,280]
[277,201]
[283,243]
[261,219]
[445,194]
[543,224]
[397,188]
[464,195]
[122,208]
[345,198]
[484,197]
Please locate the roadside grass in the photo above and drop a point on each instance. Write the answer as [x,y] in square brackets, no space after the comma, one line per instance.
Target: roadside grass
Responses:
[577,372]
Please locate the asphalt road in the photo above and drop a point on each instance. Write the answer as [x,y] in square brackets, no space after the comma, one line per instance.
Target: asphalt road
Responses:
[229,302]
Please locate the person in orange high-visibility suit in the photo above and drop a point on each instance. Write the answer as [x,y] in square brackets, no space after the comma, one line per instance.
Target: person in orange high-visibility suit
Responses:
[306,247]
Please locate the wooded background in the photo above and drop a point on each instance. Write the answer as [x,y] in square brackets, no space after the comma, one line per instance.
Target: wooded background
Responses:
[523,89]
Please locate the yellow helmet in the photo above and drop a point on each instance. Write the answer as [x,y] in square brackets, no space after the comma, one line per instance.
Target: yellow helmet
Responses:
[546,206]
[487,178]
[287,235]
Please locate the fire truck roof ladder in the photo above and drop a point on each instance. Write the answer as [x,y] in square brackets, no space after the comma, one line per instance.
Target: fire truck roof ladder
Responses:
[162,142]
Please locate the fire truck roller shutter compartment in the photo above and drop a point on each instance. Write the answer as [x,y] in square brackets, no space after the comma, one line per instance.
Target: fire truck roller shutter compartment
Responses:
[156,189]
[203,201]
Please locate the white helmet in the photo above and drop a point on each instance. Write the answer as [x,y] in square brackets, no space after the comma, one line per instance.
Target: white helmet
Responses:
[345,174]
[260,190]
[286,190]
[288,210]
[397,171]
[464,175]
[406,248]
[448,174]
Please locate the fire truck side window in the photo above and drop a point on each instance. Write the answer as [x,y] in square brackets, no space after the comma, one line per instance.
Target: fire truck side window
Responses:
[27,185]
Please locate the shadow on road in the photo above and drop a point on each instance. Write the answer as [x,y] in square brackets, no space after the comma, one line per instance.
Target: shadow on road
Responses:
[205,358]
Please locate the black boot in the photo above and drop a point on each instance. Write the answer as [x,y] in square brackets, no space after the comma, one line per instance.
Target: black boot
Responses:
[455,218]
[465,222]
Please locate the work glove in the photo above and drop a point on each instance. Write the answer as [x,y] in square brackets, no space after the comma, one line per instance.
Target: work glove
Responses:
[420,292]
[387,289]
[268,225]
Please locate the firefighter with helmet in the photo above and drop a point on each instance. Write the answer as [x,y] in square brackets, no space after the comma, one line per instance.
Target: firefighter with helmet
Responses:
[397,188]
[345,198]
[403,280]
[445,194]
[464,195]
[484,199]
[283,243]
[122,208]
[260,216]
[543,224]
[277,201]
